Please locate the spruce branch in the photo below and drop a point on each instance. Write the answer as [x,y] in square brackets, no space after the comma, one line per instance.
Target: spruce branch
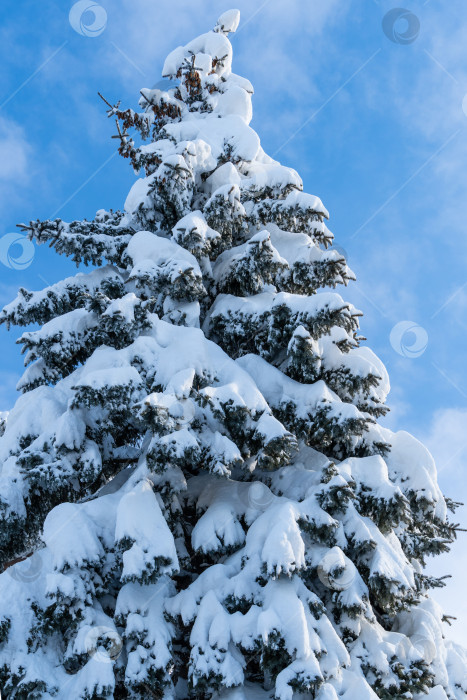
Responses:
[113,109]
[448,618]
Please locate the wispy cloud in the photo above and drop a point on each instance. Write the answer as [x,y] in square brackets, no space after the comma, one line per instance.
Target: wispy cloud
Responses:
[447,440]
[7,386]
[15,153]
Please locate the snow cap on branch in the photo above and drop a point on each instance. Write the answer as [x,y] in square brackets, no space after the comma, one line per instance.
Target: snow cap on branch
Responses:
[228,22]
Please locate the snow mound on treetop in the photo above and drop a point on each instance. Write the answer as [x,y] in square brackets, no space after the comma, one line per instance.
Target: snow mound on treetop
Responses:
[212,45]
[228,21]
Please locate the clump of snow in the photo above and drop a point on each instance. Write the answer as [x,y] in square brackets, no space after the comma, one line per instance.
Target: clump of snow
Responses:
[228,22]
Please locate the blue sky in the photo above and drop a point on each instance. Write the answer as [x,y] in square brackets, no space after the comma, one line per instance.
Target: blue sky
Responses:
[375,127]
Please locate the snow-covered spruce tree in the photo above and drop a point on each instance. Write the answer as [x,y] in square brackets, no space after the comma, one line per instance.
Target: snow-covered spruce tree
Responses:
[195,463]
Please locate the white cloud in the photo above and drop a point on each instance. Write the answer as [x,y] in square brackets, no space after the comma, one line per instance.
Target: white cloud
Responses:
[8,383]
[7,293]
[447,440]
[18,166]
[15,152]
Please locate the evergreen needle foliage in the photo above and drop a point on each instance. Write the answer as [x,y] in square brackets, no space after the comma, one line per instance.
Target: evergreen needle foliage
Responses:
[196,498]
